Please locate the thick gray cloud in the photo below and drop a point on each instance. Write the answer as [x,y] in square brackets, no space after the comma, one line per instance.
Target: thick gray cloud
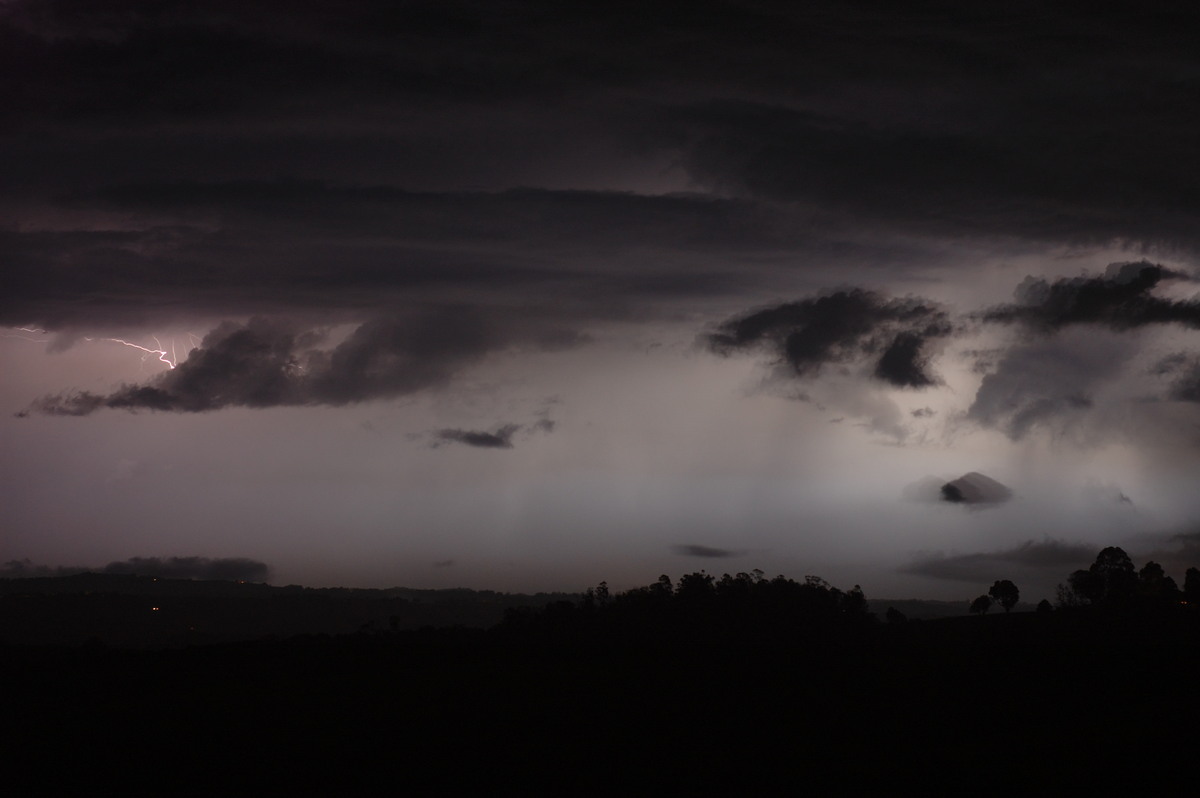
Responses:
[1049,554]
[843,327]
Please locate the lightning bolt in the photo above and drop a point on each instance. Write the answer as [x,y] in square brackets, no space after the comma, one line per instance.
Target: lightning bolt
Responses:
[160,352]
[170,358]
[33,330]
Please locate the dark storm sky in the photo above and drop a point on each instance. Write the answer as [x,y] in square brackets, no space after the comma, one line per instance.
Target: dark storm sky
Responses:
[529,295]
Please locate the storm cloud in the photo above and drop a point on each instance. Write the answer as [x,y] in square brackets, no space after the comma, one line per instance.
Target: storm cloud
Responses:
[843,327]
[264,363]
[412,222]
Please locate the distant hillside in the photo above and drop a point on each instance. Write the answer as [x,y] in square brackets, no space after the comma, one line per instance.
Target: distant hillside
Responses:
[145,612]
[925,609]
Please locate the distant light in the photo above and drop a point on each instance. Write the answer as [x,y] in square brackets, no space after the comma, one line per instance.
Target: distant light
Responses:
[154,608]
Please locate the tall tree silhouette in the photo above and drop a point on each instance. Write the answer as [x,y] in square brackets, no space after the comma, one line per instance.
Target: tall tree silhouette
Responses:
[1110,580]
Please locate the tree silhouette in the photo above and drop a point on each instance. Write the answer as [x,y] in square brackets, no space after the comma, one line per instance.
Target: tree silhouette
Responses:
[1191,586]
[1111,580]
[1155,587]
[981,605]
[1044,606]
[1005,593]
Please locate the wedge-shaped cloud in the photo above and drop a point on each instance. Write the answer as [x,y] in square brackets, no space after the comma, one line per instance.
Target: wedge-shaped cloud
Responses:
[975,489]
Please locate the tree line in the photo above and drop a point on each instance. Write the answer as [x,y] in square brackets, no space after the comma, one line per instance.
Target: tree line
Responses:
[748,605]
[1111,582]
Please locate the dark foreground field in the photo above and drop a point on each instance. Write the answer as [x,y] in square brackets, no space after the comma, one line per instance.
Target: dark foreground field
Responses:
[1027,704]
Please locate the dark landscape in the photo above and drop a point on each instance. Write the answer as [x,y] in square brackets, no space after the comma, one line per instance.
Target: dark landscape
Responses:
[734,685]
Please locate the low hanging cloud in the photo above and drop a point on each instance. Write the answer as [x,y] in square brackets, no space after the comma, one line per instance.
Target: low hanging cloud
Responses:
[987,566]
[848,326]
[267,363]
[229,569]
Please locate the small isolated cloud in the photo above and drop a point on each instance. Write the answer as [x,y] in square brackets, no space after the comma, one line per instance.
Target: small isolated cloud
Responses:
[500,439]
[848,326]
[543,425]
[984,566]
[975,489]
[696,550]
[924,412]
